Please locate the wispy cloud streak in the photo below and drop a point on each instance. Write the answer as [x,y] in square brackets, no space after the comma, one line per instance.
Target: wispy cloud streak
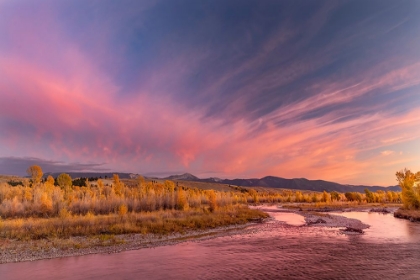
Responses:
[301,90]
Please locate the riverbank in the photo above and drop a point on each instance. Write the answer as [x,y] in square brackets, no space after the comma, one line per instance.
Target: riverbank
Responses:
[33,239]
[269,250]
[412,215]
[21,251]
[155,222]
[49,248]
[14,250]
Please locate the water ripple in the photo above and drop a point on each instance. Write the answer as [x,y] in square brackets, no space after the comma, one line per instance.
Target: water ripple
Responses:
[269,251]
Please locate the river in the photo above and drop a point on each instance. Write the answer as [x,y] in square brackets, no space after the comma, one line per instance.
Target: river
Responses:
[389,249]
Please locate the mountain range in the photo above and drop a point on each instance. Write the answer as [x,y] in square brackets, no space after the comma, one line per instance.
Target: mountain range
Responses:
[268,181]
[278,182]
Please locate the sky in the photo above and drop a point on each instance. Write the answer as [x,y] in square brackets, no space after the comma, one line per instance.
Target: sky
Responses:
[232,89]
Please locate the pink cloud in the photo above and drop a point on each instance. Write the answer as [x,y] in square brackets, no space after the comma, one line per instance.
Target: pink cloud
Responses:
[134,130]
[58,102]
[387,153]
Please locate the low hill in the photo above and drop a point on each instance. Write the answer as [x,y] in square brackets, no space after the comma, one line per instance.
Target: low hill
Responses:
[183,177]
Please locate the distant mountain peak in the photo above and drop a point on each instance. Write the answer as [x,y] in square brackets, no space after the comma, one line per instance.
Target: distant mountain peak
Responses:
[185,176]
[278,182]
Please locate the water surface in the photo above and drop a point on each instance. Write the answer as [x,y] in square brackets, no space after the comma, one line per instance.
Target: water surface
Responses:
[283,215]
[386,228]
[389,250]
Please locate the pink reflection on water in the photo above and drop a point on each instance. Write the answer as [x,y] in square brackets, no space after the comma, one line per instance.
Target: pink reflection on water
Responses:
[289,218]
[385,227]
[281,215]
[262,251]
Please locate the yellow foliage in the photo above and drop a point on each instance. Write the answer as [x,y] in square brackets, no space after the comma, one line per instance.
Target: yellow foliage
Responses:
[64,213]
[182,202]
[122,210]
[100,186]
[212,200]
[50,180]
[118,185]
[326,197]
[410,194]
[299,197]
[64,180]
[253,193]
[140,181]
[170,186]
[101,199]
[35,171]
[28,195]
[46,203]
[89,215]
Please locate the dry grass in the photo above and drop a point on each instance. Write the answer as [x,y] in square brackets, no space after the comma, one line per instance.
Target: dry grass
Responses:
[158,222]
[412,215]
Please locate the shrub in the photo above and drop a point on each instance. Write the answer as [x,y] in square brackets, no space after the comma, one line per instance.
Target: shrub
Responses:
[181,201]
[335,196]
[326,197]
[122,210]
[212,200]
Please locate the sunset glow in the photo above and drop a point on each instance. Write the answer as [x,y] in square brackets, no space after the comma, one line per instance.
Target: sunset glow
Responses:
[329,90]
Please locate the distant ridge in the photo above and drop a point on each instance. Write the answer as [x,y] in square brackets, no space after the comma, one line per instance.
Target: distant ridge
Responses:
[305,184]
[278,182]
[268,181]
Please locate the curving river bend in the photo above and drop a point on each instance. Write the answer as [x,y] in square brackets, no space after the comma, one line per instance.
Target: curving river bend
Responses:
[389,249]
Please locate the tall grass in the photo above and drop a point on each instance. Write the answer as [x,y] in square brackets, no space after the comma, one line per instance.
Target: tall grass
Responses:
[158,222]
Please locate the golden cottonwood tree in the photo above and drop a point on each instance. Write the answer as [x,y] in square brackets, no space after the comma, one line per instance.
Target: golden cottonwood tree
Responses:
[35,171]
[64,180]
[50,180]
[410,186]
[118,185]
